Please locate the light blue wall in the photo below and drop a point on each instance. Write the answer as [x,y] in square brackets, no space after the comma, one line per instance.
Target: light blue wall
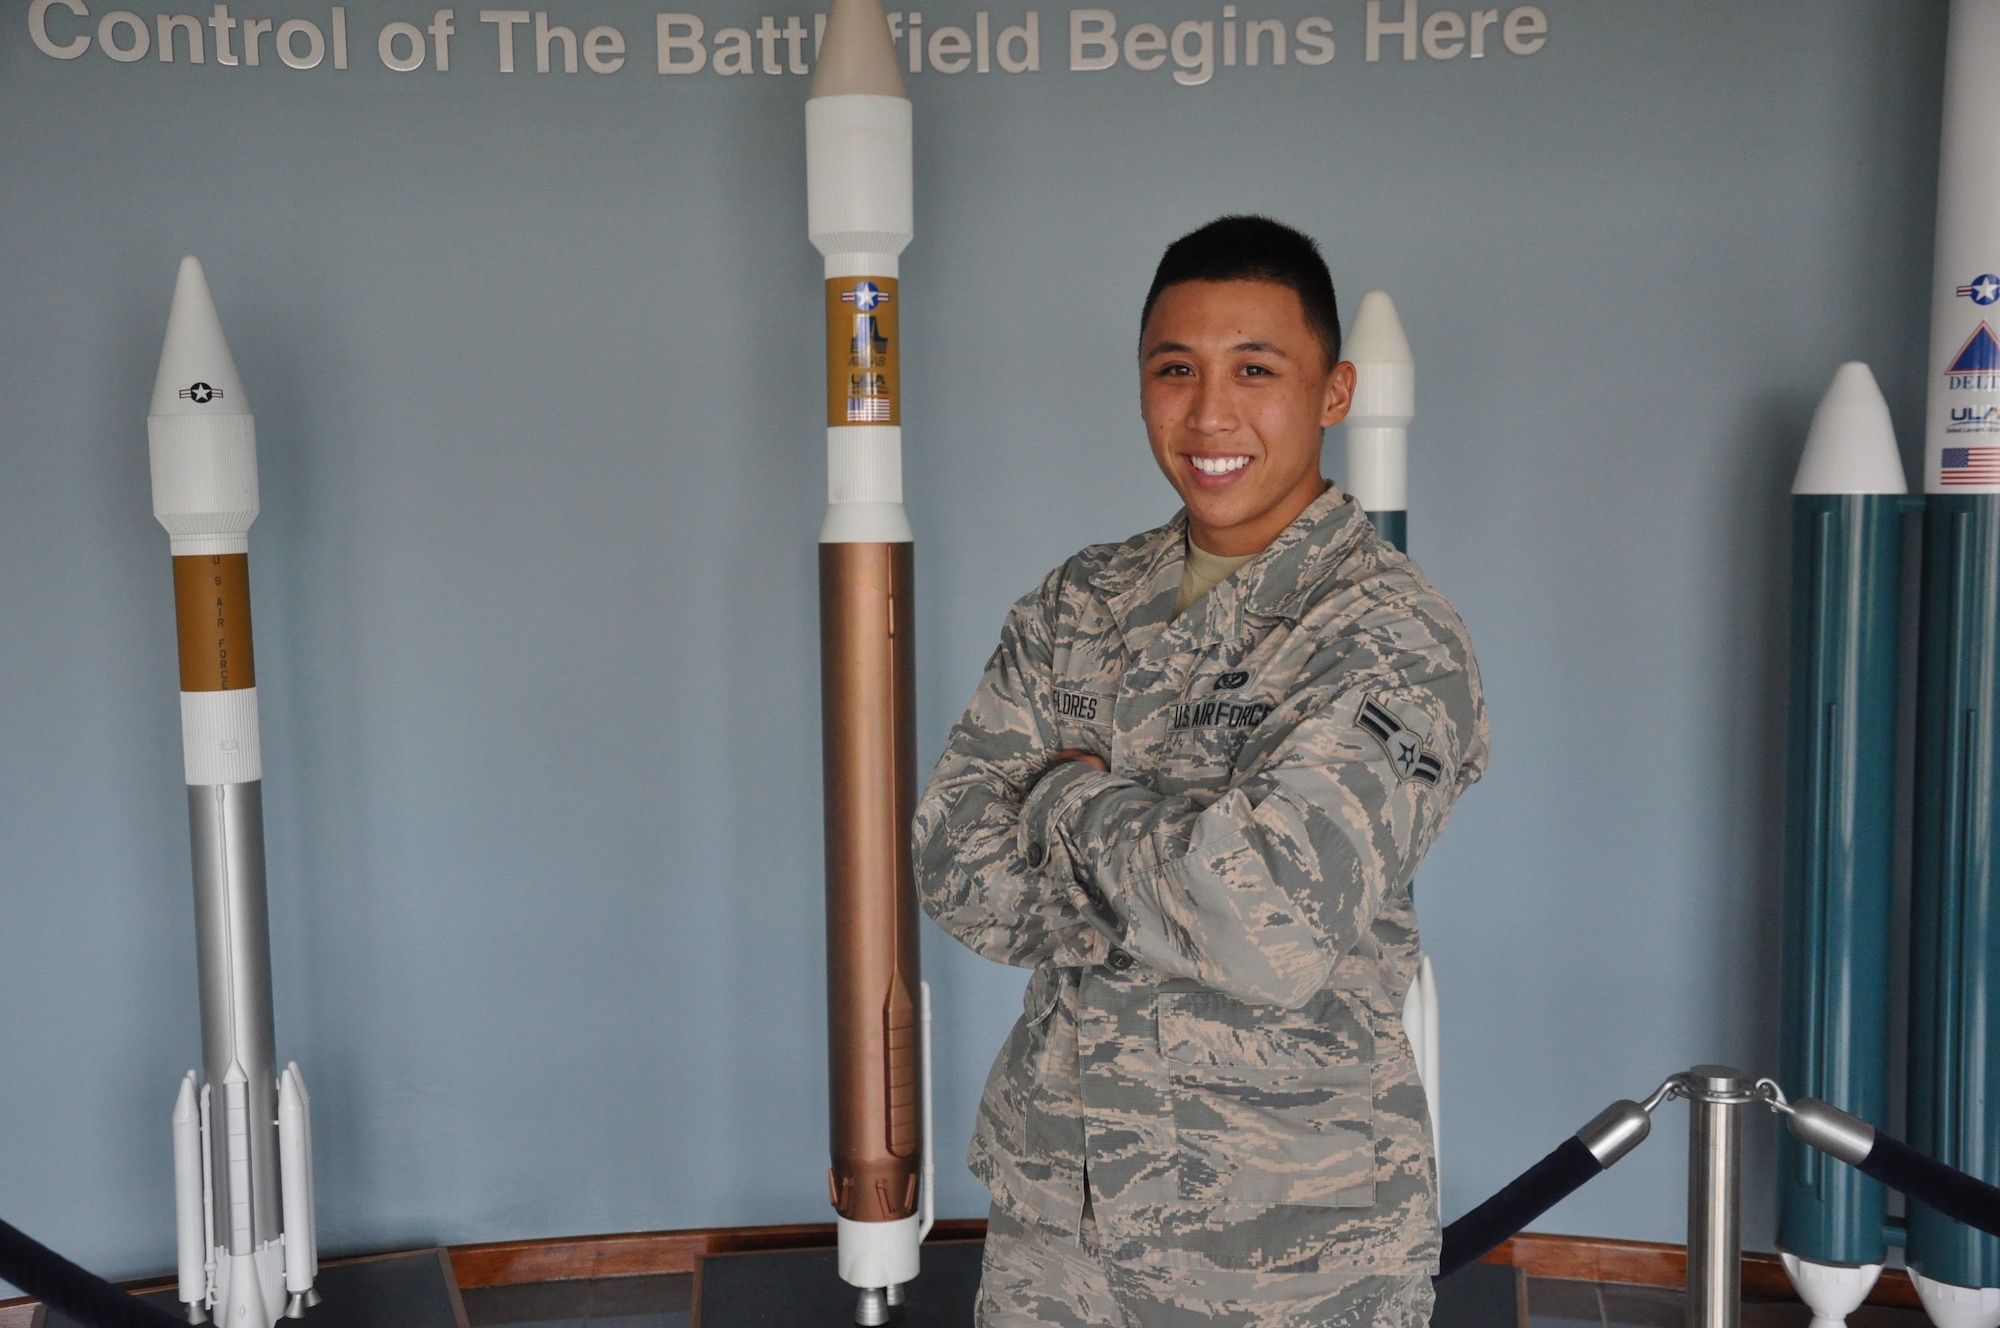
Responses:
[535,361]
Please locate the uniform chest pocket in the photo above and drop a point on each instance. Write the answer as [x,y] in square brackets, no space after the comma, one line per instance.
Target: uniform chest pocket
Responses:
[1082,717]
[1271,1105]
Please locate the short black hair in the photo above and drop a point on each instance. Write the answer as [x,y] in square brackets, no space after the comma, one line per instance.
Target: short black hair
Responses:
[1251,248]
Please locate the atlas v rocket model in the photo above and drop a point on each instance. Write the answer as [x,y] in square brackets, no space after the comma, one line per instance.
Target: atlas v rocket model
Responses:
[859,213]
[1378,477]
[241,1128]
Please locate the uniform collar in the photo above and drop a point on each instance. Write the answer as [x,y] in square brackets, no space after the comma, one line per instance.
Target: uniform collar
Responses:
[1139,588]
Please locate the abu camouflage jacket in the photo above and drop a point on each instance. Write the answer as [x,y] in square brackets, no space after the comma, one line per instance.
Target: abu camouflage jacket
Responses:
[1220,927]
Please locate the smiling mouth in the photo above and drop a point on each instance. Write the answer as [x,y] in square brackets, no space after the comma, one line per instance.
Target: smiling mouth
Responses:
[1218,465]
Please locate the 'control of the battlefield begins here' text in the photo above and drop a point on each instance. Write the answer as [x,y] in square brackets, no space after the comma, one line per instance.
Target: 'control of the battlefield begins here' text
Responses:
[1193,49]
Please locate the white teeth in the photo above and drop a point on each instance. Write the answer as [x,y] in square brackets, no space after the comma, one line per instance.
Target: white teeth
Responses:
[1219,465]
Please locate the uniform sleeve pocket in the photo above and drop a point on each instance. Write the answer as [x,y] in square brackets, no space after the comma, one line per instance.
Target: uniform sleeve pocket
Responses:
[1271,1105]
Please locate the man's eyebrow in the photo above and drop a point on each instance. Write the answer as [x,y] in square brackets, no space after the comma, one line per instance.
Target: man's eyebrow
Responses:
[1180,348]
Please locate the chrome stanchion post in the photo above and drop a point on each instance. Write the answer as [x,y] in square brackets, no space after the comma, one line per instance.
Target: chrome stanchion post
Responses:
[1715,1174]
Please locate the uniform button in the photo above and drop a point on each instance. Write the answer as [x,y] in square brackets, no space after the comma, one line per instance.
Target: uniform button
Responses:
[1119,960]
[1036,853]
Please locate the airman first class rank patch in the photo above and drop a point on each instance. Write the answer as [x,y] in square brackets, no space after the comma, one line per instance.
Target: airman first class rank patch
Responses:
[1404,747]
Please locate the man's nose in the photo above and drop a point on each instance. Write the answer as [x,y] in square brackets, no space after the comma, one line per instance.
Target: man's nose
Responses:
[1214,408]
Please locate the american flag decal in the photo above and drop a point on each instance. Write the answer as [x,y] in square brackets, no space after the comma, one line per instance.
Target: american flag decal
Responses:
[1404,748]
[1970,465]
[868,410]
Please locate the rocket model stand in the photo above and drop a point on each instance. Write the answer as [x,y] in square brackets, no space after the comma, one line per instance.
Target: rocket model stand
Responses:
[242,1129]
[1378,477]
[1955,887]
[859,205]
[1847,542]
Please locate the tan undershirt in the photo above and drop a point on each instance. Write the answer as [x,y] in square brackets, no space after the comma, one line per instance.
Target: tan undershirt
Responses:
[1203,572]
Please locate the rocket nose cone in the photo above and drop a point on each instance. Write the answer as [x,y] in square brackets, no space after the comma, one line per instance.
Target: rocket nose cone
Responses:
[1852,445]
[1377,335]
[858,55]
[197,374]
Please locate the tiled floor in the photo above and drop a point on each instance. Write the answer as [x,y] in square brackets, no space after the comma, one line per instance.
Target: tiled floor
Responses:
[610,1302]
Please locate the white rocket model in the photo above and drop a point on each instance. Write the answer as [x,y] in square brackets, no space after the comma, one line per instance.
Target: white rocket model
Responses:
[1378,477]
[242,1130]
[1378,423]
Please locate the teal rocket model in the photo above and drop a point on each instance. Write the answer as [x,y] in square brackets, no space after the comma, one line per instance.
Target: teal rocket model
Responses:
[1840,810]
[1954,1083]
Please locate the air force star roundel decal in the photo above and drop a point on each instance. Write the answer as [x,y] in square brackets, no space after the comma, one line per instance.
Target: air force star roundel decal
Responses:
[865,296]
[201,393]
[1403,745]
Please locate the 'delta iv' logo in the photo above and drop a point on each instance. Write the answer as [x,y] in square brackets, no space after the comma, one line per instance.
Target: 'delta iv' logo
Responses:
[201,393]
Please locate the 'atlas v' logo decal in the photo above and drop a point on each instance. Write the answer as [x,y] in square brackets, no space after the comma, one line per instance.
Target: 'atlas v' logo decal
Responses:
[201,393]
[865,296]
[1404,746]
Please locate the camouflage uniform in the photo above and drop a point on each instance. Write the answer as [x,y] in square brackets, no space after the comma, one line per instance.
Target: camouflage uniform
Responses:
[1210,1069]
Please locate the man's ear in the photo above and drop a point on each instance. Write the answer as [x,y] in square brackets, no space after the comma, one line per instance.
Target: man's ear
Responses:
[1339,396]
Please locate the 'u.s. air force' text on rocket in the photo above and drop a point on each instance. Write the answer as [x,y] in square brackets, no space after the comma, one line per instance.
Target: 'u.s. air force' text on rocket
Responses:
[242,1129]
[859,212]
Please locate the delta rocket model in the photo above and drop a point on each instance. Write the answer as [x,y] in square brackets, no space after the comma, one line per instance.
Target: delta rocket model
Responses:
[242,1128]
[1954,1061]
[1378,477]
[1840,815]
[859,211]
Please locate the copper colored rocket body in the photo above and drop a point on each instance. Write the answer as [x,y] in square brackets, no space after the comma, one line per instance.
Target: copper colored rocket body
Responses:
[868,704]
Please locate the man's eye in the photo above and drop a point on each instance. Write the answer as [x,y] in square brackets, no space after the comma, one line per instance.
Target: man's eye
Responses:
[1175,371]
[1256,370]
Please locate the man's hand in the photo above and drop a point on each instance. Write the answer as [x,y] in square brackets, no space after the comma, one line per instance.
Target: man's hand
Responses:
[1078,754]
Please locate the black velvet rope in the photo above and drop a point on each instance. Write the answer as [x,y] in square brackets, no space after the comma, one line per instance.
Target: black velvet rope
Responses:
[1958,1196]
[1526,1197]
[77,1292]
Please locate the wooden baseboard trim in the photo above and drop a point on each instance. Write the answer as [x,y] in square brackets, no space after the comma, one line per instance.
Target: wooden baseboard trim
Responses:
[1646,1263]
[566,1258]
[635,1254]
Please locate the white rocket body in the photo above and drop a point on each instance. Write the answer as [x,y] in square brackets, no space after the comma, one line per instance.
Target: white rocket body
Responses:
[1962,419]
[1385,400]
[859,213]
[241,1132]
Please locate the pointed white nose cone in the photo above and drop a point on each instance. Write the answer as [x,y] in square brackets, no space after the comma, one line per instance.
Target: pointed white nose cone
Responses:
[858,55]
[1385,373]
[1852,445]
[197,374]
[1377,336]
